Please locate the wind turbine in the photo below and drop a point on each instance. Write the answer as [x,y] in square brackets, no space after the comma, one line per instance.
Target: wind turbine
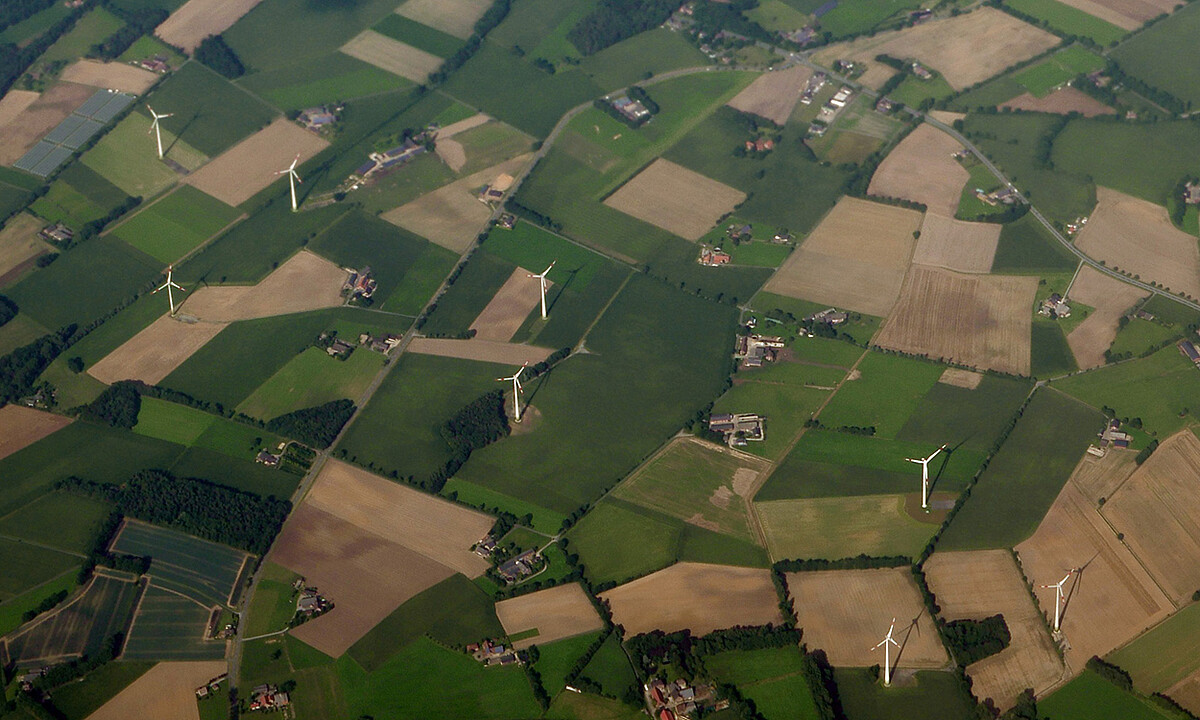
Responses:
[517,390]
[293,178]
[542,279]
[168,285]
[887,654]
[154,127]
[1058,598]
[924,463]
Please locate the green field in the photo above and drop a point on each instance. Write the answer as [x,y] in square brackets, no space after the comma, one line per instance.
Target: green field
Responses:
[92,28]
[610,668]
[1141,335]
[313,378]
[556,659]
[469,295]
[149,46]
[274,603]
[323,79]
[772,678]
[34,25]
[128,157]
[177,224]
[656,51]
[546,521]
[1068,20]
[580,706]
[78,700]
[1028,248]
[532,248]
[1091,697]
[1050,355]
[203,571]
[280,33]
[414,34]
[210,113]
[860,17]
[27,566]
[1023,479]
[13,609]
[775,16]
[170,627]
[902,380]
[172,422]
[1166,654]
[935,696]
[786,404]
[102,610]
[1157,55]
[1141,159]
[841,527]
[78,196]
[491,144]
[42,521]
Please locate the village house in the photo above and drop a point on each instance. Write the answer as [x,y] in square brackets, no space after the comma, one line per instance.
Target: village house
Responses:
[754,350]
[1074,227]
[760,145]
[359,283]
[507,221]
[1055,307]
[814,85]
[491,653]
[679,700]
[738,428]
[829,316]
[1188,348]
[1143,315]
[803,36]
[340,349]
[1113,437]
[485,547]
[521,566]
[268,697]
[266,458]
[713,257]
[156,64]
[1006,195]
[630,108]
[316,118]
[920,71]
[379,343]
[311,603]
[56,233]
[391,158]
[210,687]
[884,105]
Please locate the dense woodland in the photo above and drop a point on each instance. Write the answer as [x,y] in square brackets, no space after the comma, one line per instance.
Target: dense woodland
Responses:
[20,369]
[614,20]
[973,640]
[215,53]
[477,425]
[118,406]
[316,426]
[8,310]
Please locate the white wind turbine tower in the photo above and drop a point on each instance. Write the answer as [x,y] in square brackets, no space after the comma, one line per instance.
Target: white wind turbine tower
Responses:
[517,390]
[924,463]
[1059,595]
[542,280]
[887,654]
[154,127]
[168,285]
[293,178]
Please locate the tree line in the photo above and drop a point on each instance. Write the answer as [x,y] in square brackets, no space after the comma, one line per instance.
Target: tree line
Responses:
[316,426]
[8,310]
[615,20]
[20,369]
[214,52]
[138,22]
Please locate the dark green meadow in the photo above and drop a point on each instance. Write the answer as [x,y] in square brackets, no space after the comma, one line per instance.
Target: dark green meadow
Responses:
[469,295]
[1091,697]
[321,79]
[935,696]
[282,33]
[80,699]
[211,113]
[1028,248]
[1145,160]
[1159,56]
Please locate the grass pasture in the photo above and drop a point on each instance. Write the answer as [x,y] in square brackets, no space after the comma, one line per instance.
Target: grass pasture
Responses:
[544,521]
[41,521]
[319,80]
[211,113]
[13,609]
[27,566]
[1091,697]
[92,28]
[469,295]
[1164,655]
[422,37]
[81,699]
[276,32]
[841,527]
[786,405]
[127,157]
[274,601]
[1139,159]
[177,224]
[1156,57]
[902,380]
[313,378]
[1069,20]
[934,696]
[77,196]
[172,422]
[555,659]
[860,17]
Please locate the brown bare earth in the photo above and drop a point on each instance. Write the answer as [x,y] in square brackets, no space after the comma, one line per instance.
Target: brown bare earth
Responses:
[966,49]
[198,19]
[1063,101]
[39,118]
[1100,477]
[481,350]
[452,153]
[392,55]
[847,612]
[239,173]
[1111,299]
[111,75]
[675,199]
[462,126]
[773,95]
[979,584]
[961,378]
[922,169]
[305,282]
[166,692]
[953,244]
[1158,510]
[21,427]
[855,259]
[556,613]
[452,216]
[981,321]
[19,241]
[456,17]
[1125,14]
[509,307]
[1137,236]
[1186,692]
[1111,601]
[946,116]
[695,596]
[156,351]
[14,103]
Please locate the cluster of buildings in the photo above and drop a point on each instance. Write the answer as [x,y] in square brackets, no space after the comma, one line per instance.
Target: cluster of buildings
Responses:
[520,567]
[679,700]
[1191,193]
[155,63]
[1111,437]
[311,603]
[1077,225]
[507,221]
[1006,195]
[760,144]
[57,233]
[211,688]
[921,71]
[1055,307]
[739,428]
[713,256]
[1188,348]
[828,316]
[268,697]
[391,158]
[318,118]
[491,653]
[494,191]
[830,111]
[359,283]
[630,108]
[754,350]
[271,459]
[814,85]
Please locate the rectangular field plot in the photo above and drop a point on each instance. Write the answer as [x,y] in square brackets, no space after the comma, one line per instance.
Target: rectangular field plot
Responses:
[198,569]
[20,427]
[128,158]
[392,55]
[1166,656]
[171,627]
[552,614]
[26,566]
[841,527]
[177,224]
[79,627]
[74,130]
[42,521]
[676,199]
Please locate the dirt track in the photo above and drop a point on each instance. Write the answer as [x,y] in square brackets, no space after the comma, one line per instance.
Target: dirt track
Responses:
[921,168]
[1062,102]
[481,350]
[953,244]
[1111,299]
[166,692]
[111,75]
[675,199]
[508,308]
[39,118]
[305,282]
[773,95]
[197,19]
[556,613]
[243,170]
[21,427]
[155,352]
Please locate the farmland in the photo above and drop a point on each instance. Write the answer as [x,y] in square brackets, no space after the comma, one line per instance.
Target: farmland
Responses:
[155,352]
[552,614]
[211,114]
[1165,655]
[251,165]
[198,19]
[21,427]
[170,627]
[956,245]
[921,169]
[177,224]
[838,527]
[79,627]
[166,690]
[1094,698]
[932,696]
[319,80]
[313,378]
[1150,55]
[1110,300]
[675,199]
[36,523]
[773,95]
[203,571]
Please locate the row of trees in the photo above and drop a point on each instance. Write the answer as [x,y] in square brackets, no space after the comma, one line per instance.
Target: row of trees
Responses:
[8,310]
[20,369]
[138,22]
[14,60]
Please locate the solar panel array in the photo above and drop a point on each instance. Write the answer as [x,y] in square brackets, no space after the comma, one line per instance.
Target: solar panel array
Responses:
[80,126]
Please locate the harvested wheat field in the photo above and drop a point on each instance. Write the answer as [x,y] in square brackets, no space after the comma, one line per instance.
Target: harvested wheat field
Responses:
[156,351]
[452,216]
[961,378]
[456,17]
[40,117]
[1101,477]
[675,199]
[979,584]
[1063,101]
[695,596]
[966,49]
[305,282]
[980,321]
[14,103]
[111,75]
[847,612]
[953,244]
[1125,14]
[243,170]
[856,258]
[21,427]
[197,19]
[166,692]
[509,307]
[1111,600]
[481,350]
[452,153]
[555,613]
[922,169]
[1137,236]
[19,241]
[1158,510]
[1111,299]
[462,126]
[1186,692]
[946,117]
[392,55]
[773,95]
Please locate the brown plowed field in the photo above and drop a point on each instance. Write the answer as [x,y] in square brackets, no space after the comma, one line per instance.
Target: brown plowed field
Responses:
[773,95]
[509,307]
[946,116]
[197,19]
[452,153]
[1111,299]
[14,103]
[392,55]
[1158,510]
[1186,692]
[961,378]
[481,350]
[19,241]
[981,321]
[556,613]
[166,692]
[953,244]
[847,612]
[1062,101]
[1111,601]
[922,169]
[155,352]
[1100,477]
[456,17]
[856,258]
[675,199]
[1137,236]
[39,118]
[979,584]
[1125,14]
[462,126]
[695,596]
[305,282]
[21,427]
[243,170]
[966,49]
[111,75]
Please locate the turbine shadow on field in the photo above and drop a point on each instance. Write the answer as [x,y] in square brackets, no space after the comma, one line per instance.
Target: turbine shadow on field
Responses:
[933,481]
[542,380]
[182,130]
[907,634]
[562,289]
[1075,586]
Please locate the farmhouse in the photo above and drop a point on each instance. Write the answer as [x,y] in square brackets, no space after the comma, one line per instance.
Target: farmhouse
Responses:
[311,603]
[1055,307]
[828,316]
[494,192]
[815,83]
[391,158]
[492,653]
[266,458]
[676,699]
[753,350]
[1112,436]
[840,99]
[57,233]
[631,109]
[268,697]
[738,428]
[521,566]
[359,283]
[1191,193]
[920,71]
[1188,348]
[317,118]
[713,257]
[156,63]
